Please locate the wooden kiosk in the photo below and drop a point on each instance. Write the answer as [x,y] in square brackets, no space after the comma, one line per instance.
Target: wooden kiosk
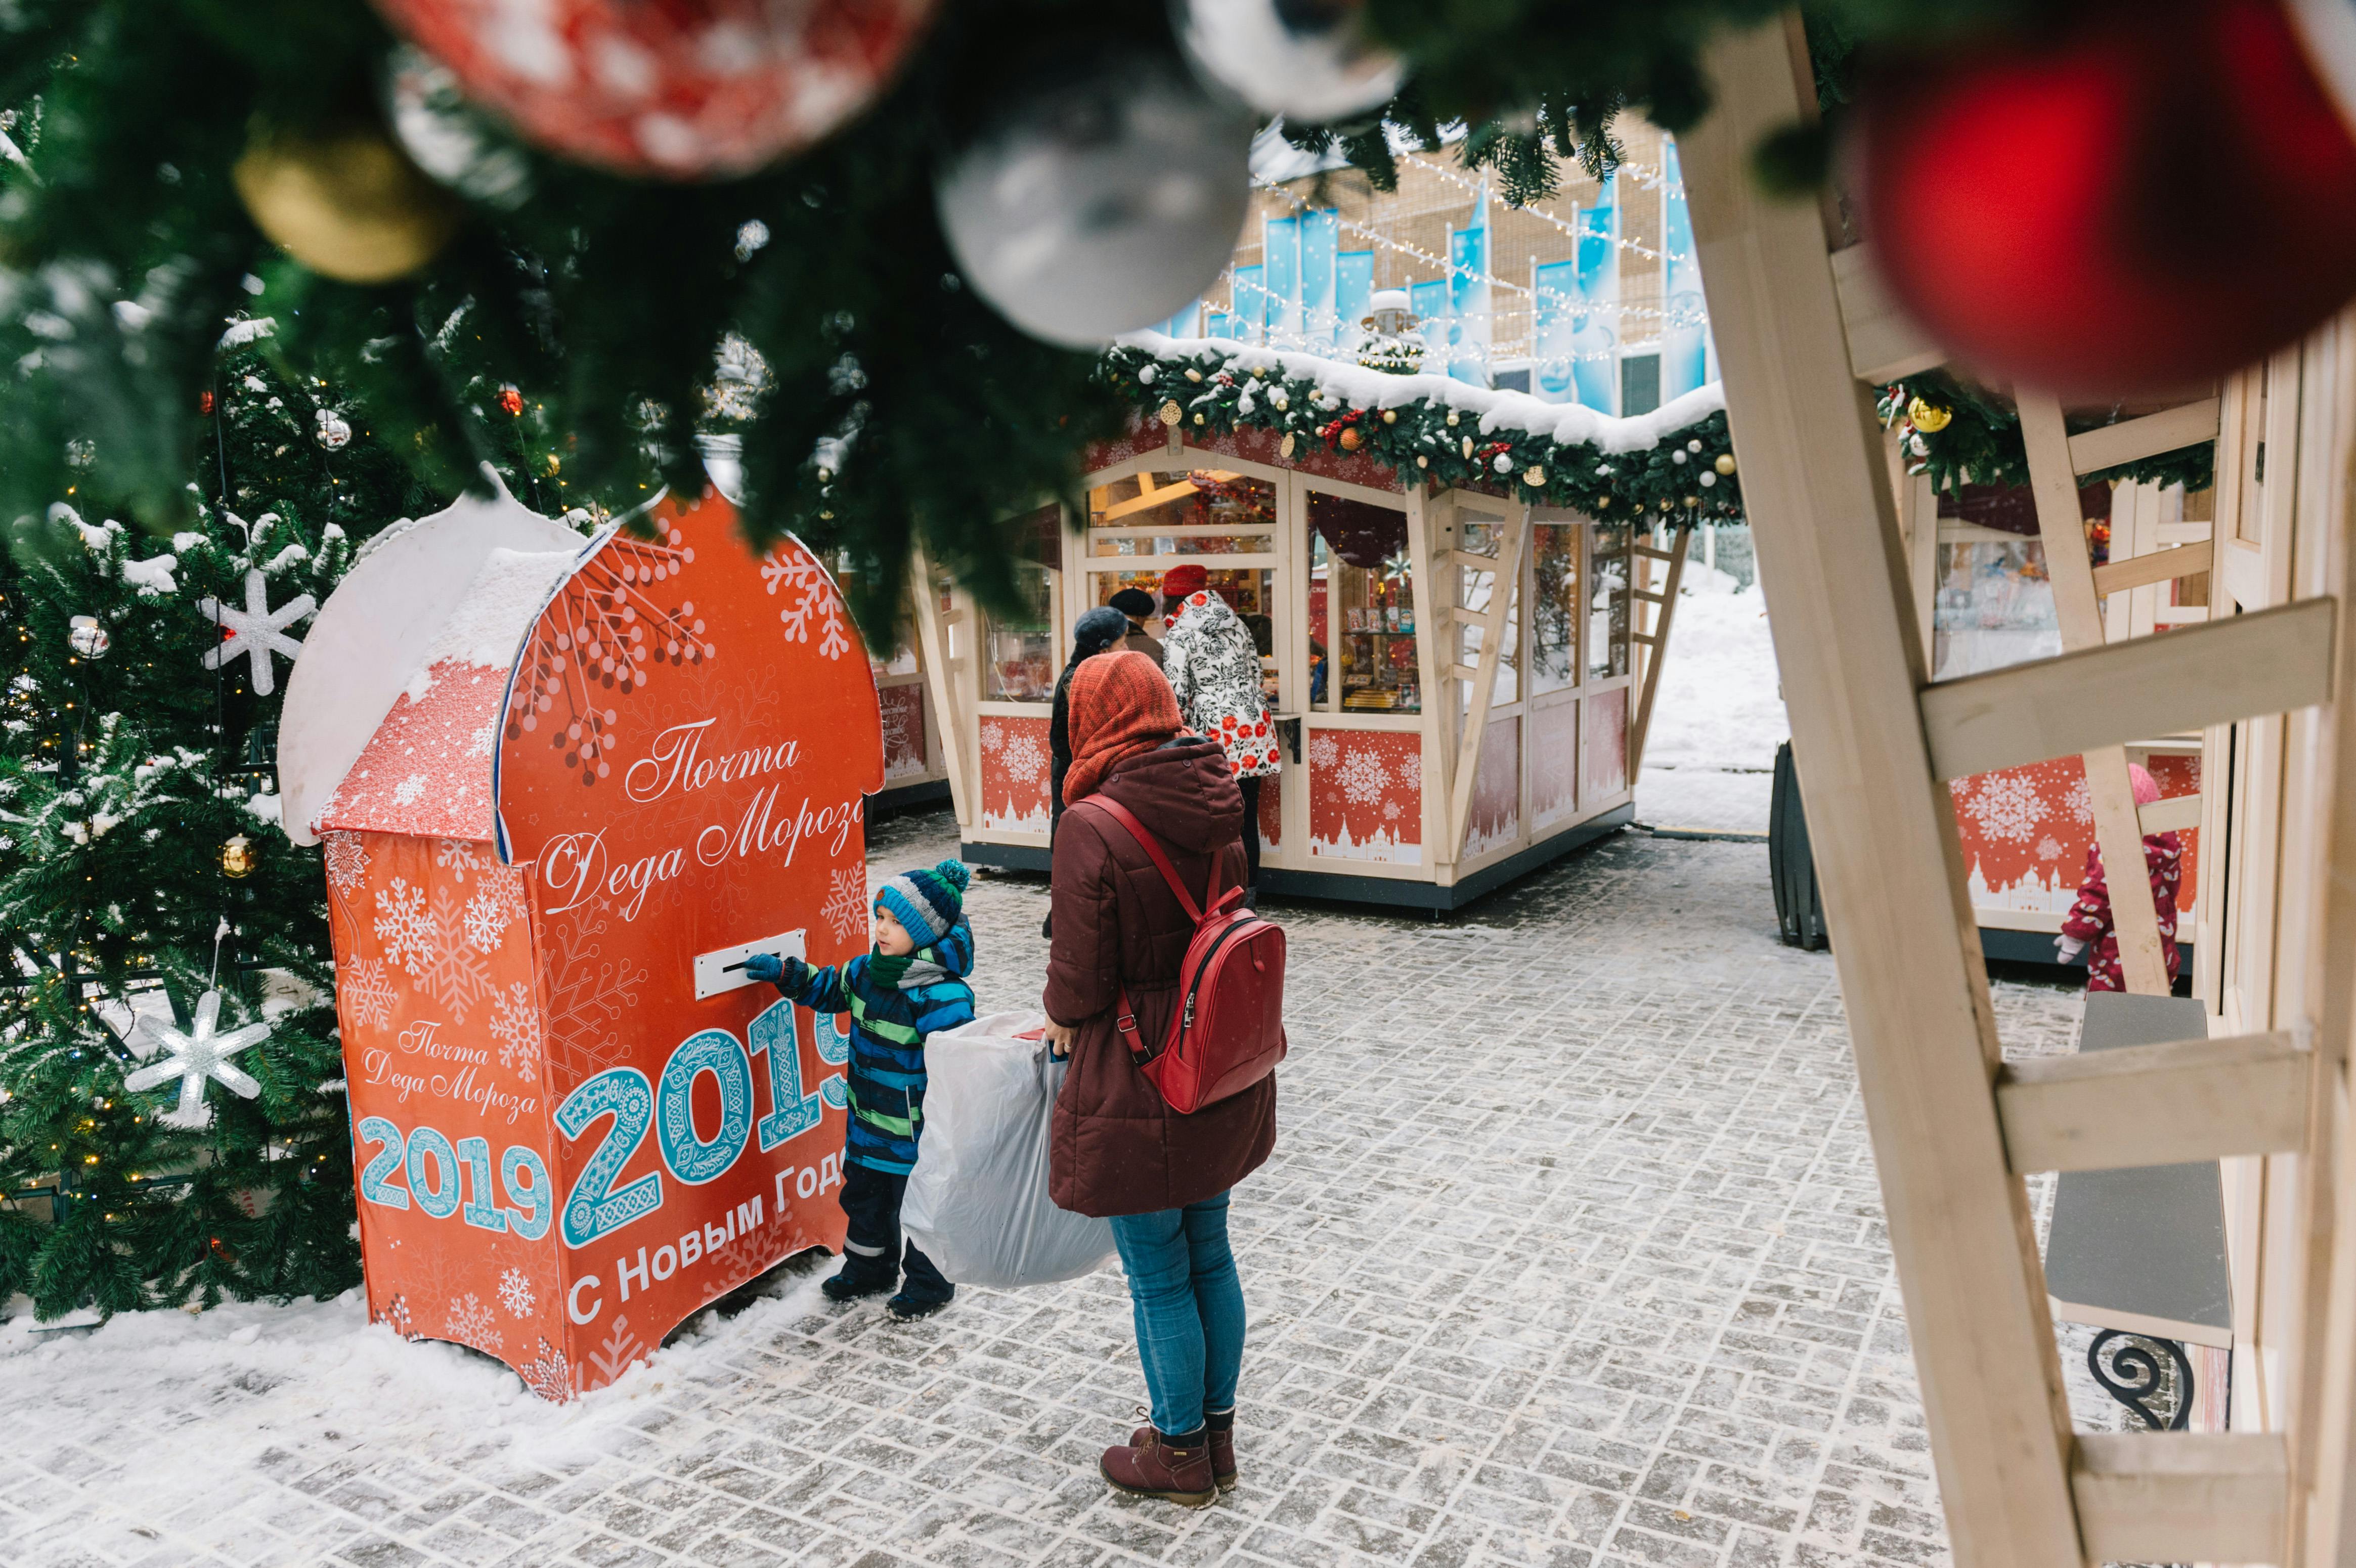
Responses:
[1960,1127]
[1440,736]
[1985,597]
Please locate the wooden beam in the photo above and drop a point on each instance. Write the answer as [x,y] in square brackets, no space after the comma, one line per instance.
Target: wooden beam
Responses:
[1431,527]
[1884,344]
[2156,1106]
[2182,1497]
[1649,552]
[2110,789]
[1656,650]
[2136,439]
[2159,566]
[2241,573]
[1471,562]
[2245,666]
[948,706]
[1484,683]
[1165,496]
[2172,815]
[1903,938]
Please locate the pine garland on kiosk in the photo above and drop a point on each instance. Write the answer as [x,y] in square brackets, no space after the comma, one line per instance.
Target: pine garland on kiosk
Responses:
[1676,462]
[1960,433]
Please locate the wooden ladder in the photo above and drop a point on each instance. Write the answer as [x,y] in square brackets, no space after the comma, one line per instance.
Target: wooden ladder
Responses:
[1801,334]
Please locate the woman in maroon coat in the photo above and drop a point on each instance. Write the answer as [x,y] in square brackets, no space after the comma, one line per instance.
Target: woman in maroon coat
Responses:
[1118,1149]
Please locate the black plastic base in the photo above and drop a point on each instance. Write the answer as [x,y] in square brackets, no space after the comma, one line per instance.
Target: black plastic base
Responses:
[906,798]
[2033,952]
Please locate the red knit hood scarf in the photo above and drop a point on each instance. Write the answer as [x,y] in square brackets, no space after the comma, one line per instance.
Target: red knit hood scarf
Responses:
[1122,707]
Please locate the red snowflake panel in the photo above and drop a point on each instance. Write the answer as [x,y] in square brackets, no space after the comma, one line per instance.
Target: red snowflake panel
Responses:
[1603,766]
[1365,794]
[1554,763]
[1016,774]
[1497,790]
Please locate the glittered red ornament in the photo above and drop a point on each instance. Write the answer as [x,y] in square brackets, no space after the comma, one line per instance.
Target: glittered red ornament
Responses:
[675,88]
[511,400]
[2157,197]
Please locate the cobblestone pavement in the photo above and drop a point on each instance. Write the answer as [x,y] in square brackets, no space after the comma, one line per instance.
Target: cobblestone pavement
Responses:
[1571,1254]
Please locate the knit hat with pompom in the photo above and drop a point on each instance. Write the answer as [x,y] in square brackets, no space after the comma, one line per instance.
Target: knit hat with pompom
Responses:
[927,902]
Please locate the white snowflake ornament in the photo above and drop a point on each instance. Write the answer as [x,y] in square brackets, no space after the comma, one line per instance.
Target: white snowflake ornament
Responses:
[193,1056]
[256,631]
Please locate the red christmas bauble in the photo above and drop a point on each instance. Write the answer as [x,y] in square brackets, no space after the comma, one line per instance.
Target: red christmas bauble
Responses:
[675,88]
[511,399]
[2141,204]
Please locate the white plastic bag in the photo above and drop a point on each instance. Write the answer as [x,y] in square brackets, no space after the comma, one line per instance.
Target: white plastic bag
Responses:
[977,1202]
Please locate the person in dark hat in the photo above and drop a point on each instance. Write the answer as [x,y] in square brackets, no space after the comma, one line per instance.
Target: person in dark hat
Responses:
[1098,630]
[1138,605]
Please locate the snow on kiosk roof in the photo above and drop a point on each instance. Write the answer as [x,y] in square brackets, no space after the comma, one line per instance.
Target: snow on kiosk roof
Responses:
[582,782]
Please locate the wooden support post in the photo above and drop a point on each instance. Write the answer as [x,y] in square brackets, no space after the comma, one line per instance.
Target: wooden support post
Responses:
[1656,648]
[1507,568]
[1430,531]
[948,705]
[2109,789]
[1887,853]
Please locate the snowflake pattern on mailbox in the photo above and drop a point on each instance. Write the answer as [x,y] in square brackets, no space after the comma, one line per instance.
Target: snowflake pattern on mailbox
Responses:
[618,770]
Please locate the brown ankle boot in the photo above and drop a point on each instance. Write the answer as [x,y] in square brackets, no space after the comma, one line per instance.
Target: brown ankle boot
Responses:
[1223,1452]
[1176,1470]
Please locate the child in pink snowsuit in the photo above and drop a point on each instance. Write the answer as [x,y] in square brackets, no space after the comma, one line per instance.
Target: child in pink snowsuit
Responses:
[2089,922]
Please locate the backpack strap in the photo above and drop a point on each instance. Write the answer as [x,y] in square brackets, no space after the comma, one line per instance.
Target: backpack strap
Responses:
[1152,846]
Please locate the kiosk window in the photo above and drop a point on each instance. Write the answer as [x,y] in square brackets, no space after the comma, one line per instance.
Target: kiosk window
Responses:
[1363,606]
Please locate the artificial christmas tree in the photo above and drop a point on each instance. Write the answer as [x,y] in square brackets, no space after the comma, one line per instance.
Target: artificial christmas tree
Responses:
[173,1126]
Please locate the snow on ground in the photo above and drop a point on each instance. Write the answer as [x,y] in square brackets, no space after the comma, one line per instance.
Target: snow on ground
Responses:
[317,1372]
[1719,715]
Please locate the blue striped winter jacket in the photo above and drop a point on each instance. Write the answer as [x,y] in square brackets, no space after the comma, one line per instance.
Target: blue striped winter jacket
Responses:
[887,1040]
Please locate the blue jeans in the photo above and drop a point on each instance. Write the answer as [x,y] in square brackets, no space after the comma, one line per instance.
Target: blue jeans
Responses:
[1189,1306]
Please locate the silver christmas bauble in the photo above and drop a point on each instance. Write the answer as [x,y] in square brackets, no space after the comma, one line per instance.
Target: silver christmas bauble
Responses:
[1100,199]
[87,638]
[334,430]
[1306,59]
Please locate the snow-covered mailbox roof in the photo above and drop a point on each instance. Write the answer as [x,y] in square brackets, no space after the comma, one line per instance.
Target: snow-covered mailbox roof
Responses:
[566,786]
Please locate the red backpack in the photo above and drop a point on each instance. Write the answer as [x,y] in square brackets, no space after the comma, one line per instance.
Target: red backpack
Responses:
[1227,1032]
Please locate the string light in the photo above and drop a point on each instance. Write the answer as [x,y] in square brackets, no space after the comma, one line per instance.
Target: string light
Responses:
[1466,182]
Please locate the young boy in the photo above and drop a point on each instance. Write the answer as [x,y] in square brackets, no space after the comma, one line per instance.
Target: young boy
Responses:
[912,985]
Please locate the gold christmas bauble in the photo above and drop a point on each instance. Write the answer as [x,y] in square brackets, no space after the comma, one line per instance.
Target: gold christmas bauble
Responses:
[239,857]
[1725,464]
[1928,418]
[1390,416]
[346,204]
[1172,414]
[1350,439]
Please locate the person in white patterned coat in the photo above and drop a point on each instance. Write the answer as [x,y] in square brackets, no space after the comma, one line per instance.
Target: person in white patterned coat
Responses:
[1213,668]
